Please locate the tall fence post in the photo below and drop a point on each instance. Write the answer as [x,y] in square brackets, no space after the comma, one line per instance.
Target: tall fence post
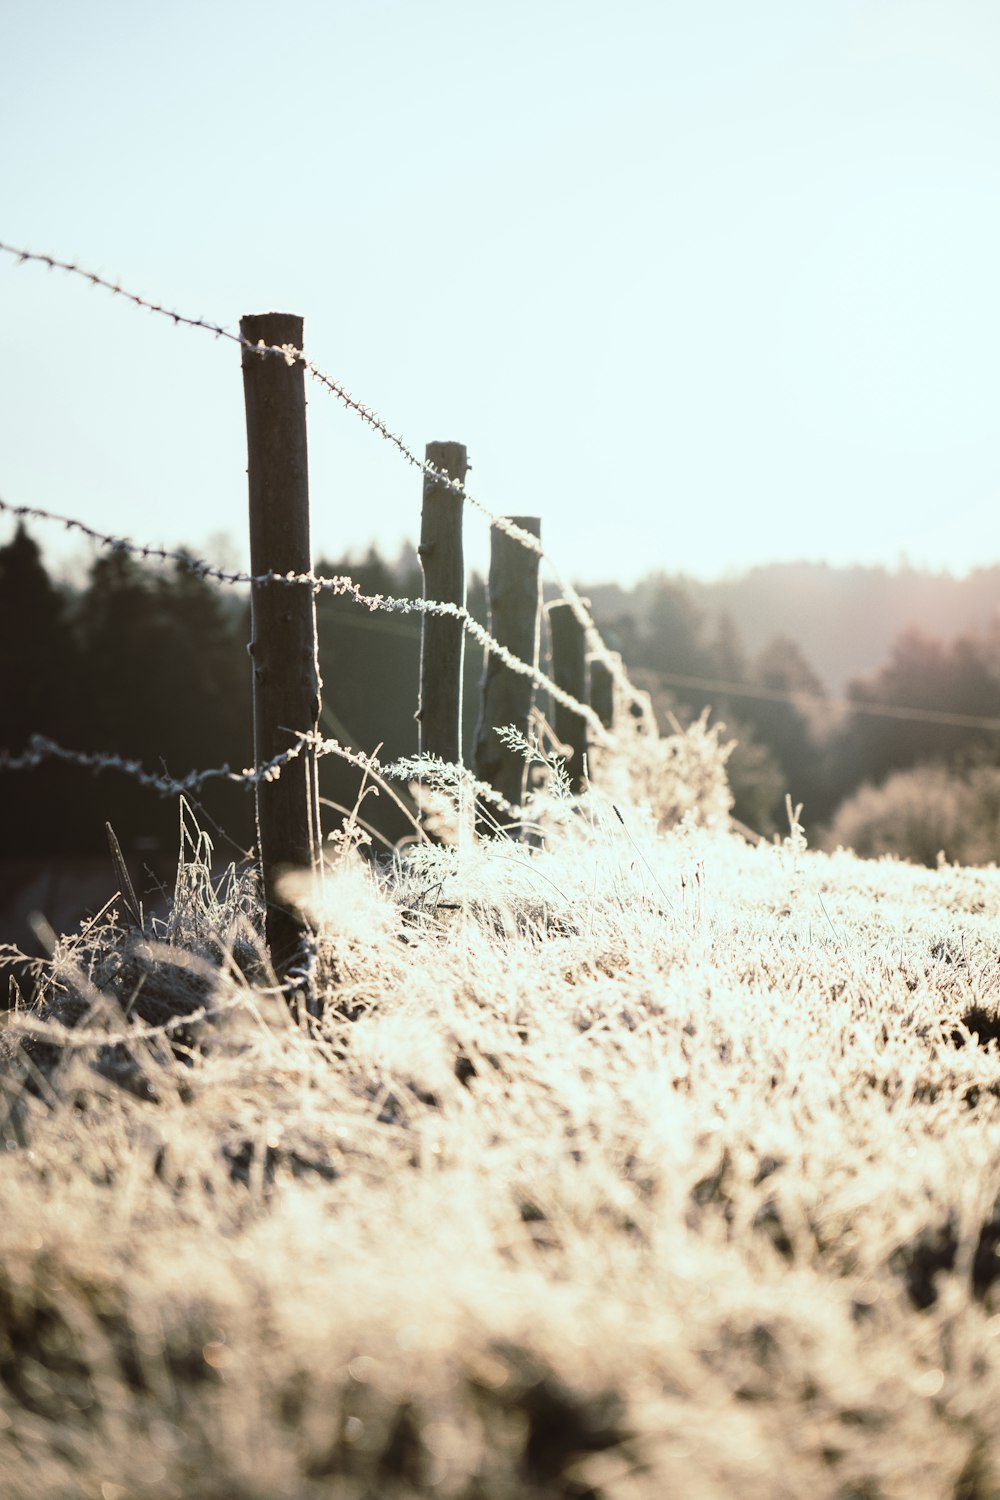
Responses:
[286,681]
[506,696]
[442,637]
[569,671]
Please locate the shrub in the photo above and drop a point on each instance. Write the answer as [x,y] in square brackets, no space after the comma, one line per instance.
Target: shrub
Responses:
[924,812]
[679,776]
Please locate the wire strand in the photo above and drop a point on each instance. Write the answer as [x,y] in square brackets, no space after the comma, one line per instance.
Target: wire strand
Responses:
[342,585]
[819,700]
[41,748]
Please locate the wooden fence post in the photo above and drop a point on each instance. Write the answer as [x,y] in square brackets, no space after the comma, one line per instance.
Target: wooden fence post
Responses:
[569,671]
[506,696]
[286,681]
[602,691]
[442,637]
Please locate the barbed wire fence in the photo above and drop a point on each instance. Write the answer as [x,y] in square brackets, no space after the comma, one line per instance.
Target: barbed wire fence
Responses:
[595,642]
[310,745]
[293,355]
[41,748]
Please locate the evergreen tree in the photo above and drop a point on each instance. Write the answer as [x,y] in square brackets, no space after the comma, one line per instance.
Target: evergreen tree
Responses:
[39,694]
[37,654]
[205,672]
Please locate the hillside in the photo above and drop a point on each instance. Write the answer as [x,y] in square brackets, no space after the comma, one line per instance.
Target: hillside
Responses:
[641,1163]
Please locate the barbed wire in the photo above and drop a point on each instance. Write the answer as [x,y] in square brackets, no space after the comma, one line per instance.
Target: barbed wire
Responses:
[41,749]
[340,584]
[291,355]
[53,263]
[117,543]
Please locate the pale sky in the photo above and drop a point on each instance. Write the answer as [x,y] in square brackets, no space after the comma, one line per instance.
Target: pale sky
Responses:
[703,284]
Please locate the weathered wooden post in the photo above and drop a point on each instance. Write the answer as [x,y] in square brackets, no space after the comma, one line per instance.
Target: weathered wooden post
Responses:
[514,620]
[442,637]
[569,671]
[286,681]
[602,691]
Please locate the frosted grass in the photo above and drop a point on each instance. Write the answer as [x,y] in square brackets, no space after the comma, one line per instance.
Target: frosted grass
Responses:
[637,1163]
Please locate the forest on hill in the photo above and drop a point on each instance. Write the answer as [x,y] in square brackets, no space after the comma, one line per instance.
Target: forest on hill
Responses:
[150,661]
[845,619]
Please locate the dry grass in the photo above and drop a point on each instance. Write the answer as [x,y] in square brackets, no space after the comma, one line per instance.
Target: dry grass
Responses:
[639,1165]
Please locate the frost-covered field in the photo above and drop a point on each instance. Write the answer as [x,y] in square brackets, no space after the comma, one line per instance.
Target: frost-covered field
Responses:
[641,1165]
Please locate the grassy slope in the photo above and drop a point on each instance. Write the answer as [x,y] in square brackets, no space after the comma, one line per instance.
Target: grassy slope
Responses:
[629,1176]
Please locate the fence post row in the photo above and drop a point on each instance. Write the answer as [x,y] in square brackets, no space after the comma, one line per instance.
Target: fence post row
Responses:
[569,671]
[286,680]
[506,696]
[442,638]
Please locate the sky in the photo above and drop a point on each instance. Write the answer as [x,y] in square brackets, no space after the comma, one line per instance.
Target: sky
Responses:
[703,285]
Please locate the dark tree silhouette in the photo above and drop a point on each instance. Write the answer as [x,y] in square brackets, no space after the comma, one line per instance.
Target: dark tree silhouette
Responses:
[39,694]
[36,644]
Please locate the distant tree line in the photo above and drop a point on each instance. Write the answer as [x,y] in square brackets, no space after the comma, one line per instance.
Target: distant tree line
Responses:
[845,619]
[151,662]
